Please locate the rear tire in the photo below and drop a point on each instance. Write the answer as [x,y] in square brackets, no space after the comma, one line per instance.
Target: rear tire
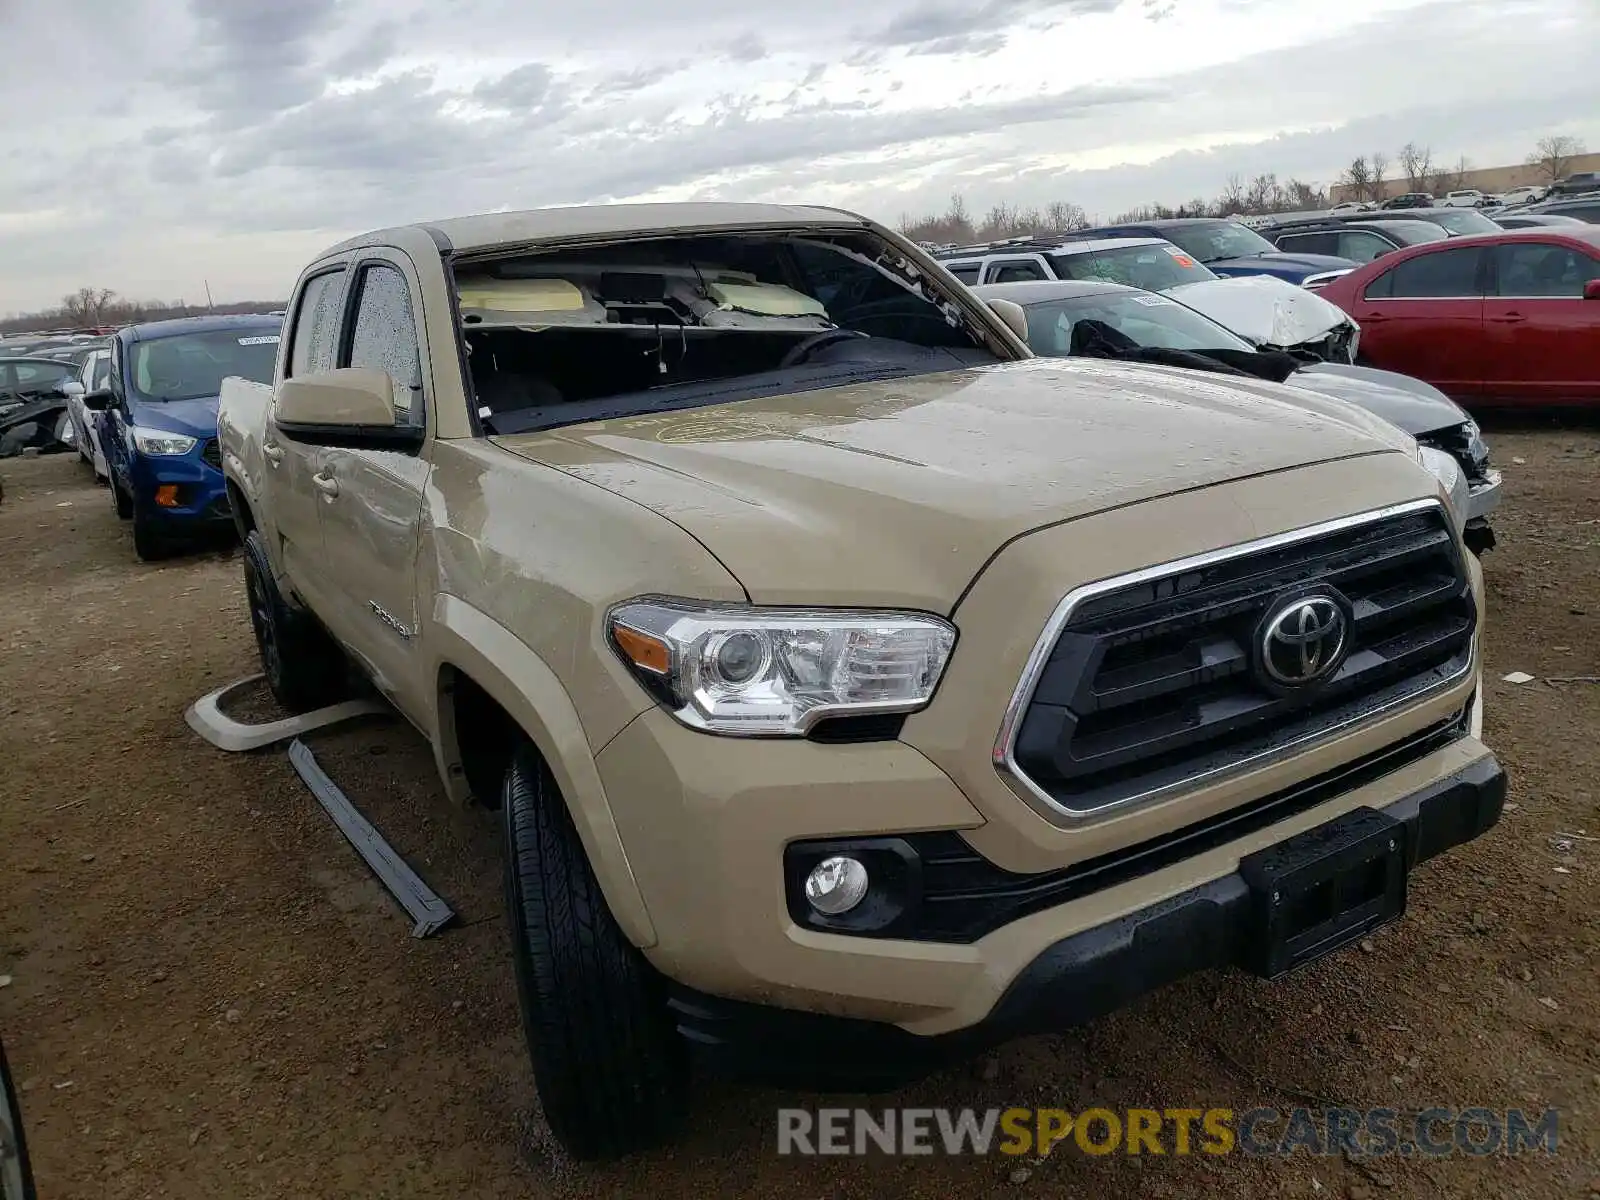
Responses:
[303,666]
[610,1068]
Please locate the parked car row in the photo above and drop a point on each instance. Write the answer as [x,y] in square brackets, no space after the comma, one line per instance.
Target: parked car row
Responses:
[140,408]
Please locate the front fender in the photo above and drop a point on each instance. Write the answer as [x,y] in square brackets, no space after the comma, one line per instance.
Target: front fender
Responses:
[475,644]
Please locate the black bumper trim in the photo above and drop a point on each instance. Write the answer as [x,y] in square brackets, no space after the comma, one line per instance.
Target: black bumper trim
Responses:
[1078,979]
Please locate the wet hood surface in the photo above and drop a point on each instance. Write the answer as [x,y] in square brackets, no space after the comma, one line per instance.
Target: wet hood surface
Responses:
[906,488]
[1411,404]
[196,418]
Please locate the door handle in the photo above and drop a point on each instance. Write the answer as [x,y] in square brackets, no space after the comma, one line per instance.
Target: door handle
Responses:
[1371,319]
[272,452]
[326,484]
[1509,318]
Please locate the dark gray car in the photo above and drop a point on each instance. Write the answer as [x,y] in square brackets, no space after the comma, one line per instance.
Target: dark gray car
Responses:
[1087,318]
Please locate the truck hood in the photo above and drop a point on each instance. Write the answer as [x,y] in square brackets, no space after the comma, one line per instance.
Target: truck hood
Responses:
[1263,309]
[1411,404]
[197,418]
[896,493]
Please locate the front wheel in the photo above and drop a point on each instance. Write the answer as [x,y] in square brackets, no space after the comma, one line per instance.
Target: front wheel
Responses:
[304,669]
[120,500]
[610,1068]
[148,544]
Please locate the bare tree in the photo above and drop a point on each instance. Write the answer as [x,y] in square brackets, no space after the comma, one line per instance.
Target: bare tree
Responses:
[1300,196]
[1380,172]
[87,305]
[1553,156]
[1062,216]
[1358,178]
[1232,198]
[1417,162]
[1463,169]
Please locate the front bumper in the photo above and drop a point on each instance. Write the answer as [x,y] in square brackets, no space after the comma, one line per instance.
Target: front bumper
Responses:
[1073,980]
[1483,497]
[202,493]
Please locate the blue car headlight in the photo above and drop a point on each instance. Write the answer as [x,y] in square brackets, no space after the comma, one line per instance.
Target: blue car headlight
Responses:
[160,442]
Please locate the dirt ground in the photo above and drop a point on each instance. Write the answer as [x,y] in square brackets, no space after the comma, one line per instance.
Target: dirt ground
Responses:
[210,996]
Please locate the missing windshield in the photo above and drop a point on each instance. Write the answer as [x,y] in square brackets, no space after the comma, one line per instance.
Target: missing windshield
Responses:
[644,326]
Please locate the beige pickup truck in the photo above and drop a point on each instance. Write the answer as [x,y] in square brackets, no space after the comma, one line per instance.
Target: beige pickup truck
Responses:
[858,690]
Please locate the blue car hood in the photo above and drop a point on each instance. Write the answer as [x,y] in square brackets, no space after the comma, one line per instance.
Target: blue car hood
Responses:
[1309,263]
[196,418]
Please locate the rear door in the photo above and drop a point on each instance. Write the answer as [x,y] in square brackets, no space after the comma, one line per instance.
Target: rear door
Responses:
[1317,241]
[371,500]
[1424,317]
[1362,245]
[292,466]
[1541,337]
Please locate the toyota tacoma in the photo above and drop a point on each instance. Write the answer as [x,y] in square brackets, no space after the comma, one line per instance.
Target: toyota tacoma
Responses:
[857,690]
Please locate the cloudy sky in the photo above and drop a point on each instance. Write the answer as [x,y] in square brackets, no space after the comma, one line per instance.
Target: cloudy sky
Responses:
[151,146]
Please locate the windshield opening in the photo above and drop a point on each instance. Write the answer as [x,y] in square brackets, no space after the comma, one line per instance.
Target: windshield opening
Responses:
[653,325]
[1213,241]
[1153,268]
[192,366]
[1150,321]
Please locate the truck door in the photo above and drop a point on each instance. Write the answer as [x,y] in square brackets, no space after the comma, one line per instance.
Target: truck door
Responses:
[292,465]
[370,501]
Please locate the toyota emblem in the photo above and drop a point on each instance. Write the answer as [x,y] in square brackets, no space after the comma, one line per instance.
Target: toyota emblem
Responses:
[1303,640]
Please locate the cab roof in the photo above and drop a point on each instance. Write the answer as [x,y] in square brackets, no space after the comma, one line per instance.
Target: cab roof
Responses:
[488,231]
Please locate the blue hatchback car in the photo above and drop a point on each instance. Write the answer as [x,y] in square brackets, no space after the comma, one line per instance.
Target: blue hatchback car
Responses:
[158,421]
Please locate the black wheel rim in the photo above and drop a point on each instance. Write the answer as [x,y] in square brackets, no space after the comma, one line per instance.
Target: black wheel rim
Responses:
[261,618]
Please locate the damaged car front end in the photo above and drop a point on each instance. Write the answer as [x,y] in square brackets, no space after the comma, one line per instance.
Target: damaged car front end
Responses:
[1271,314]
[1100,319]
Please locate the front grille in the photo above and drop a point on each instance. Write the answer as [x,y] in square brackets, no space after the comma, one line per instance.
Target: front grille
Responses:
[1157,680]
[211,453]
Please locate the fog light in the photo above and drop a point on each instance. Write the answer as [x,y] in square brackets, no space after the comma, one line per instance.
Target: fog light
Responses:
[167,495]
[836,885]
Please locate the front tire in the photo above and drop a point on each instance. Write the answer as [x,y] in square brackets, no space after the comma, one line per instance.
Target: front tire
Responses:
[304,669]
[148,544]
[120,500]
[610,1069]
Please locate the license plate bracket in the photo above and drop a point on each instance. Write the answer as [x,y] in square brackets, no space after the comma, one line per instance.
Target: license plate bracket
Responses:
[1323,889]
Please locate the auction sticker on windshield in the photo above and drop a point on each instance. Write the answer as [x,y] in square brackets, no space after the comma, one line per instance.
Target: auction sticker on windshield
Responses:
[265,339]
[1182,259]
[1152,301]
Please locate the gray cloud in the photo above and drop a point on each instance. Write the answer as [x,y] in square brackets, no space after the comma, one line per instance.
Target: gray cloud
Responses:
[525,88]
[247,137]
[746,48]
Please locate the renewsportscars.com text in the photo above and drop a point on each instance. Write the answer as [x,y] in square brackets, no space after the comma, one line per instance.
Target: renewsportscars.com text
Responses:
[1358,1133]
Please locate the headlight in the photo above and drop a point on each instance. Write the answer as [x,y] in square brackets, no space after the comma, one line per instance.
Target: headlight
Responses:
[159,441]
[778,671]
[1448,472]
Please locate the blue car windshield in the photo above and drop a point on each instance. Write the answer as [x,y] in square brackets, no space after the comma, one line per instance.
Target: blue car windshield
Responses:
[1213,241]
[192,366]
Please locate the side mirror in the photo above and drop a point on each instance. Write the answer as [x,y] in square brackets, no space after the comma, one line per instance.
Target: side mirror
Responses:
[98,400]
[1591,290]
[1011,313]
[352,407]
